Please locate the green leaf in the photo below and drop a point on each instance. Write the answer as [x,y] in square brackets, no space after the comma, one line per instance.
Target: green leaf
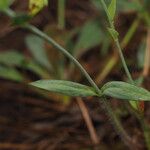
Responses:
[112,9]
[134,104]
[126,91]
[65,87]
[36,5]
[11,58]
[113,33]
[91,35]
[36,47]
[16,59]
[10,74]
[4,4]
[36,68]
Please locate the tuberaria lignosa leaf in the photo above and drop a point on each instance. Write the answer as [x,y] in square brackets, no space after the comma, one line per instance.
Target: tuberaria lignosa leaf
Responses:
[65,87]
[126,91]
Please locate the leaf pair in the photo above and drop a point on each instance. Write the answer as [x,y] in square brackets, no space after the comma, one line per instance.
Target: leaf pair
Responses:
[115,89]
[9,60]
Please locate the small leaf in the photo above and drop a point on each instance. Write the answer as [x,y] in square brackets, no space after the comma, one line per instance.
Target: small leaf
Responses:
[112,9]
[16,59]
[11,58]
[126,91]
[134,104]
[113,33]
[10,74]
[36,5]
[36,47]
[65,87]
[90,36]
[36,68]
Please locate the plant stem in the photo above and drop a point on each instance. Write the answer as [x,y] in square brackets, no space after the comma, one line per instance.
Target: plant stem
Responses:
[142,122]
[117,125]
[114,59]
[106,11]
[65,52]
[140,117]
[118,44]
[124,62]
[41,34]
[146,130]
[106,105]
[119,129]
[61,14]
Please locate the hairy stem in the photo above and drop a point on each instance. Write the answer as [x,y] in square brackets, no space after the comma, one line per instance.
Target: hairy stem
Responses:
[118,44]
[114,59]
[107,106]
[120,130]
[65,52]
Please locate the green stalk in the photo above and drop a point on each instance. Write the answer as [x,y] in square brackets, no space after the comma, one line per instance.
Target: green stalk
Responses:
[146,16]
[142,122]
[113,60]
[146,130]
[106,105]
[124,62]
[61,14]
[118,44]
[120,130]
[65,52]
